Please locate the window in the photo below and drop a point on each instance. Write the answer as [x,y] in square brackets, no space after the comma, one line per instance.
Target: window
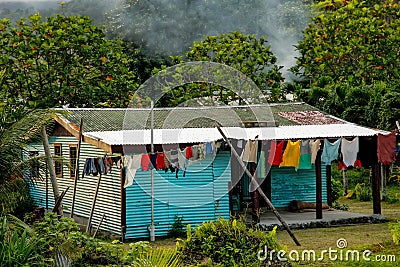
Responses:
[33,164]
[73,152]
[57,163]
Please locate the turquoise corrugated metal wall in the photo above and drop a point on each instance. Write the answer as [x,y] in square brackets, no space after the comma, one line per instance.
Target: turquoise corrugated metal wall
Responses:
[201,195]
[109,197]
[288,184]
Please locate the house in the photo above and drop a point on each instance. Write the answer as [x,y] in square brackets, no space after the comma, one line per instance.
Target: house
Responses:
[206,188]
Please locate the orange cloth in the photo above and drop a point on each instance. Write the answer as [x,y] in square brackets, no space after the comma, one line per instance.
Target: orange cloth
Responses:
[291,156]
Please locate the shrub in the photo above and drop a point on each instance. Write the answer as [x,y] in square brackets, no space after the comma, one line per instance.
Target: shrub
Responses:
[19,245]
[363,192]
[395,229]
[225,243]
[177,228]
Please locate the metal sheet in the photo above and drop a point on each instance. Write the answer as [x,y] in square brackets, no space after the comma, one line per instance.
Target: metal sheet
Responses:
[193,135]
[108,200]
[201,195]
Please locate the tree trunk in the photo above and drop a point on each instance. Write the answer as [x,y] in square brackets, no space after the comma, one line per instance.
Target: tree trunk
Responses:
[50,164]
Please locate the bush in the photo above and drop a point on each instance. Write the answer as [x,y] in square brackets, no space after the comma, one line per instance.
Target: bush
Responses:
[226,243]
[395,229]
[177,228]
[337,189]
[19,245]
[363,192]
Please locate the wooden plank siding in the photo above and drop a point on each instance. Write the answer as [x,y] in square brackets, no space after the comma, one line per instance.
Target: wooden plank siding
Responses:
[108,200]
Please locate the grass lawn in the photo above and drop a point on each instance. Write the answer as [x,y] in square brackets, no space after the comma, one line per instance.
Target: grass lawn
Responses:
[374,237]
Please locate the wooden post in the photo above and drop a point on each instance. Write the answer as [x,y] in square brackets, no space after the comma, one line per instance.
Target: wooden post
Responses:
[345,182]
[94,200]
[76,168]
[123,204]
[383,181]
[269,203]
[318,187]
[329,184]
[255,196]
[376,198]
[52,172]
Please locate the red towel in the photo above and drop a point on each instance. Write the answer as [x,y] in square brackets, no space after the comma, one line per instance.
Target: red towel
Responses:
[276,153]
[145,162]
[387,148]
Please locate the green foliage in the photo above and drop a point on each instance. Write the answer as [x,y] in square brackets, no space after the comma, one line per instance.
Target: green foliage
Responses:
[353,42]
[337,189]
[177,227]
[62,61]
[225,243]
[395,229]
[363,192]
[19,245]
[15,133]
[339,206]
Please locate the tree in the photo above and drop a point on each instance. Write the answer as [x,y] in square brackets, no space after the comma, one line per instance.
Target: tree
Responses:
[246,53]
[352,41]
[14,177]
[62,61]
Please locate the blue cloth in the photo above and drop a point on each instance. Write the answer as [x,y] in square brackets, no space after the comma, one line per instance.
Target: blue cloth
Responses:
[330,151]
[209,148]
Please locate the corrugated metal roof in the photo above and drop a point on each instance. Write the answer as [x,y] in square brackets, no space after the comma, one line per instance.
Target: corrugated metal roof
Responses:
[195,135]
[114,119]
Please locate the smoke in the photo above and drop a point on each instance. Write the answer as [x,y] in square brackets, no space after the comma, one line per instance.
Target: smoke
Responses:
[171,27]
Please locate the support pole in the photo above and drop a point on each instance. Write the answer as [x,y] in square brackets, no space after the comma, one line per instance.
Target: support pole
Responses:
[376,198]
[253,179]
[52,172]
[318,188]
[94,201]
[76,168]
[383,181]
[329,184]
[345,182]
[152,227]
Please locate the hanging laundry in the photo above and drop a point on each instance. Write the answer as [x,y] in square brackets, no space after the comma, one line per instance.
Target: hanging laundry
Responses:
[174,158]
[249,153]
[368,151]
[315,146]
[305,155]
[182,161]
[102,169]
[330,152]
[218,146]
[276,153]
[153,160]
[210,146]
[87,167]
[349,151]
[132,164]
[386,148]
[291,155]
[261,168]
[202,151]
[94,167]
[195,152]
[145,161]
[236,169]
[167,158]
[240,144]
[189,152]
[160,161]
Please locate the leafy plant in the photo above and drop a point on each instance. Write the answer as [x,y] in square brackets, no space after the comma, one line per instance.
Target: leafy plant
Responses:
[363,192]
[19,244]
[177,227]
[339,206]
[225,243]
[395,229]
[159,257]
